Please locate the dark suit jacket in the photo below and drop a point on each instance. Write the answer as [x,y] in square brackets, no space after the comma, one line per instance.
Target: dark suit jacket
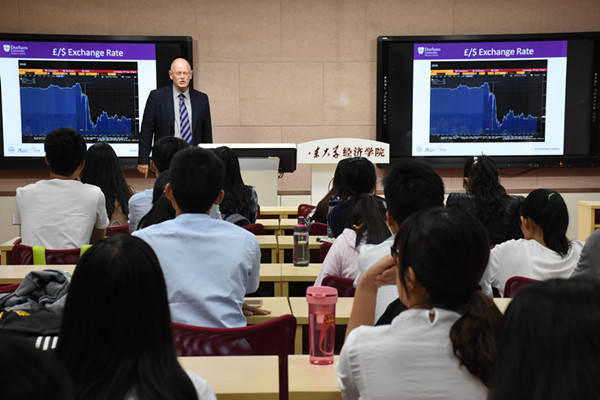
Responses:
[159,119]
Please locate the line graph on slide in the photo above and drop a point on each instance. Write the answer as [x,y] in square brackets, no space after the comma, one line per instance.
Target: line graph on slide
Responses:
[99,100]
[488,101]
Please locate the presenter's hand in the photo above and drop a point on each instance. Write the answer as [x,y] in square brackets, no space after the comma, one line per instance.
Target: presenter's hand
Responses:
[143,168]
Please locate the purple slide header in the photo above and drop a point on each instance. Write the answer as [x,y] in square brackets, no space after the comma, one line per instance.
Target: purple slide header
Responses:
[487,50]
[78,51]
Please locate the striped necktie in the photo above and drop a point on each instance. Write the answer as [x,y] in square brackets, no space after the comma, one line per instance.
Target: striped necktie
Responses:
[184,121]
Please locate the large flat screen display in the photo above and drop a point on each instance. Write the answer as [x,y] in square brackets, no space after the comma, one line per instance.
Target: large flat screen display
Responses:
[95,85]
[526,100]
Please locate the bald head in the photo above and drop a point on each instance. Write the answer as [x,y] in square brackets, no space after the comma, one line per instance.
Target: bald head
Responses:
[181,74]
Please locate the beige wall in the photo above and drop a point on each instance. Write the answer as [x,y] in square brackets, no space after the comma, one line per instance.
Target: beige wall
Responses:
[291,71]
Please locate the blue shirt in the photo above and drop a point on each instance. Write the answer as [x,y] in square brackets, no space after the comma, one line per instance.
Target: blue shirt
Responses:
[209,266]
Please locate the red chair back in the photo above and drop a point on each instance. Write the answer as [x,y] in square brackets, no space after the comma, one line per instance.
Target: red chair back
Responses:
[23,255]
[257,229]
[515,284]
[117,230]
[344,286]
[9,288]
[274,337]
[318,229]
[305,209]
[323,250]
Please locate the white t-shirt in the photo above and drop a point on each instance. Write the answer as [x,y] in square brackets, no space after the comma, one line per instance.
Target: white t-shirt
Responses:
[59,213]
[342,258]
[410,359]
[369,255]
[527,258]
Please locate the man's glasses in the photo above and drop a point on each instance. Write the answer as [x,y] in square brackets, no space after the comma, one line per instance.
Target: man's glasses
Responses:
[181,73]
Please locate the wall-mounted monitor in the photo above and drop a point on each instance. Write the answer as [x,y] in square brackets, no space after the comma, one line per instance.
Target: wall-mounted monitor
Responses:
[527,100]
[97,85]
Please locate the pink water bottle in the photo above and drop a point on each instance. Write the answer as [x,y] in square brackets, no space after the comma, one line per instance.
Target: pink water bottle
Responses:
[321,323]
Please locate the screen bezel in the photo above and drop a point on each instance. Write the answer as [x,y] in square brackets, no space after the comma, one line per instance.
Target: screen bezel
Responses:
[167,49]
[589,160]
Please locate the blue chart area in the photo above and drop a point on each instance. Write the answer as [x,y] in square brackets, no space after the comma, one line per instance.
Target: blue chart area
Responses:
[466,110]
[45,109]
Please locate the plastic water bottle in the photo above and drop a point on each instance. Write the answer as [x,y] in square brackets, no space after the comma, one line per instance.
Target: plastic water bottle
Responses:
[333,202]
[321,323]
[301,254]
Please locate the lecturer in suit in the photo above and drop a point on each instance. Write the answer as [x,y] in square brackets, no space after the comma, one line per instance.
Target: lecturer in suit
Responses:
[164,113]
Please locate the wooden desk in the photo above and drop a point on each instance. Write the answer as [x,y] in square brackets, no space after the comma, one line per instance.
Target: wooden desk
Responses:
[6,250]
[299,308]
[238,377]
[271,225]
[269,242]
[291,273]
[272,273]
[10,274]
[277,305]
[312,382]
[278,211]
[287,243]
[256,377]
[502,303]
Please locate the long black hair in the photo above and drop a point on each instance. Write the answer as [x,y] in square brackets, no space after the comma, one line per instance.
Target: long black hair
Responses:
[481,180]
[548,209]
[448,250]
[115,337]
[549,347]
[322,208]
[237,195]
[102,169]
[368,216]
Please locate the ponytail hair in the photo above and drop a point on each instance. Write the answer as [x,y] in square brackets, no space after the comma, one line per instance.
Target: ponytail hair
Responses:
[548,209]
[448,251]
[369,214]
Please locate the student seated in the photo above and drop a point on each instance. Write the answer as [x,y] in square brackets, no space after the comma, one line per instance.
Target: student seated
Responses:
[443,346]
[543,253]
[240,204]
[116,339]
[356,176]
[61,212]
[487,200]
[102,169]
[321,210]
[410,186]
[368,227]
[209,264]
[162,209]
[162,153]
[549,348]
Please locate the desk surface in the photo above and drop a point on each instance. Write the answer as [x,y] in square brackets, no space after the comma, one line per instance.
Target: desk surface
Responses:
[238,377]
[279,211]
[277,305]
[256,377]
[16,273]
[343,307]
[287,242]
[309,381]
[267,241]
[291,273]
